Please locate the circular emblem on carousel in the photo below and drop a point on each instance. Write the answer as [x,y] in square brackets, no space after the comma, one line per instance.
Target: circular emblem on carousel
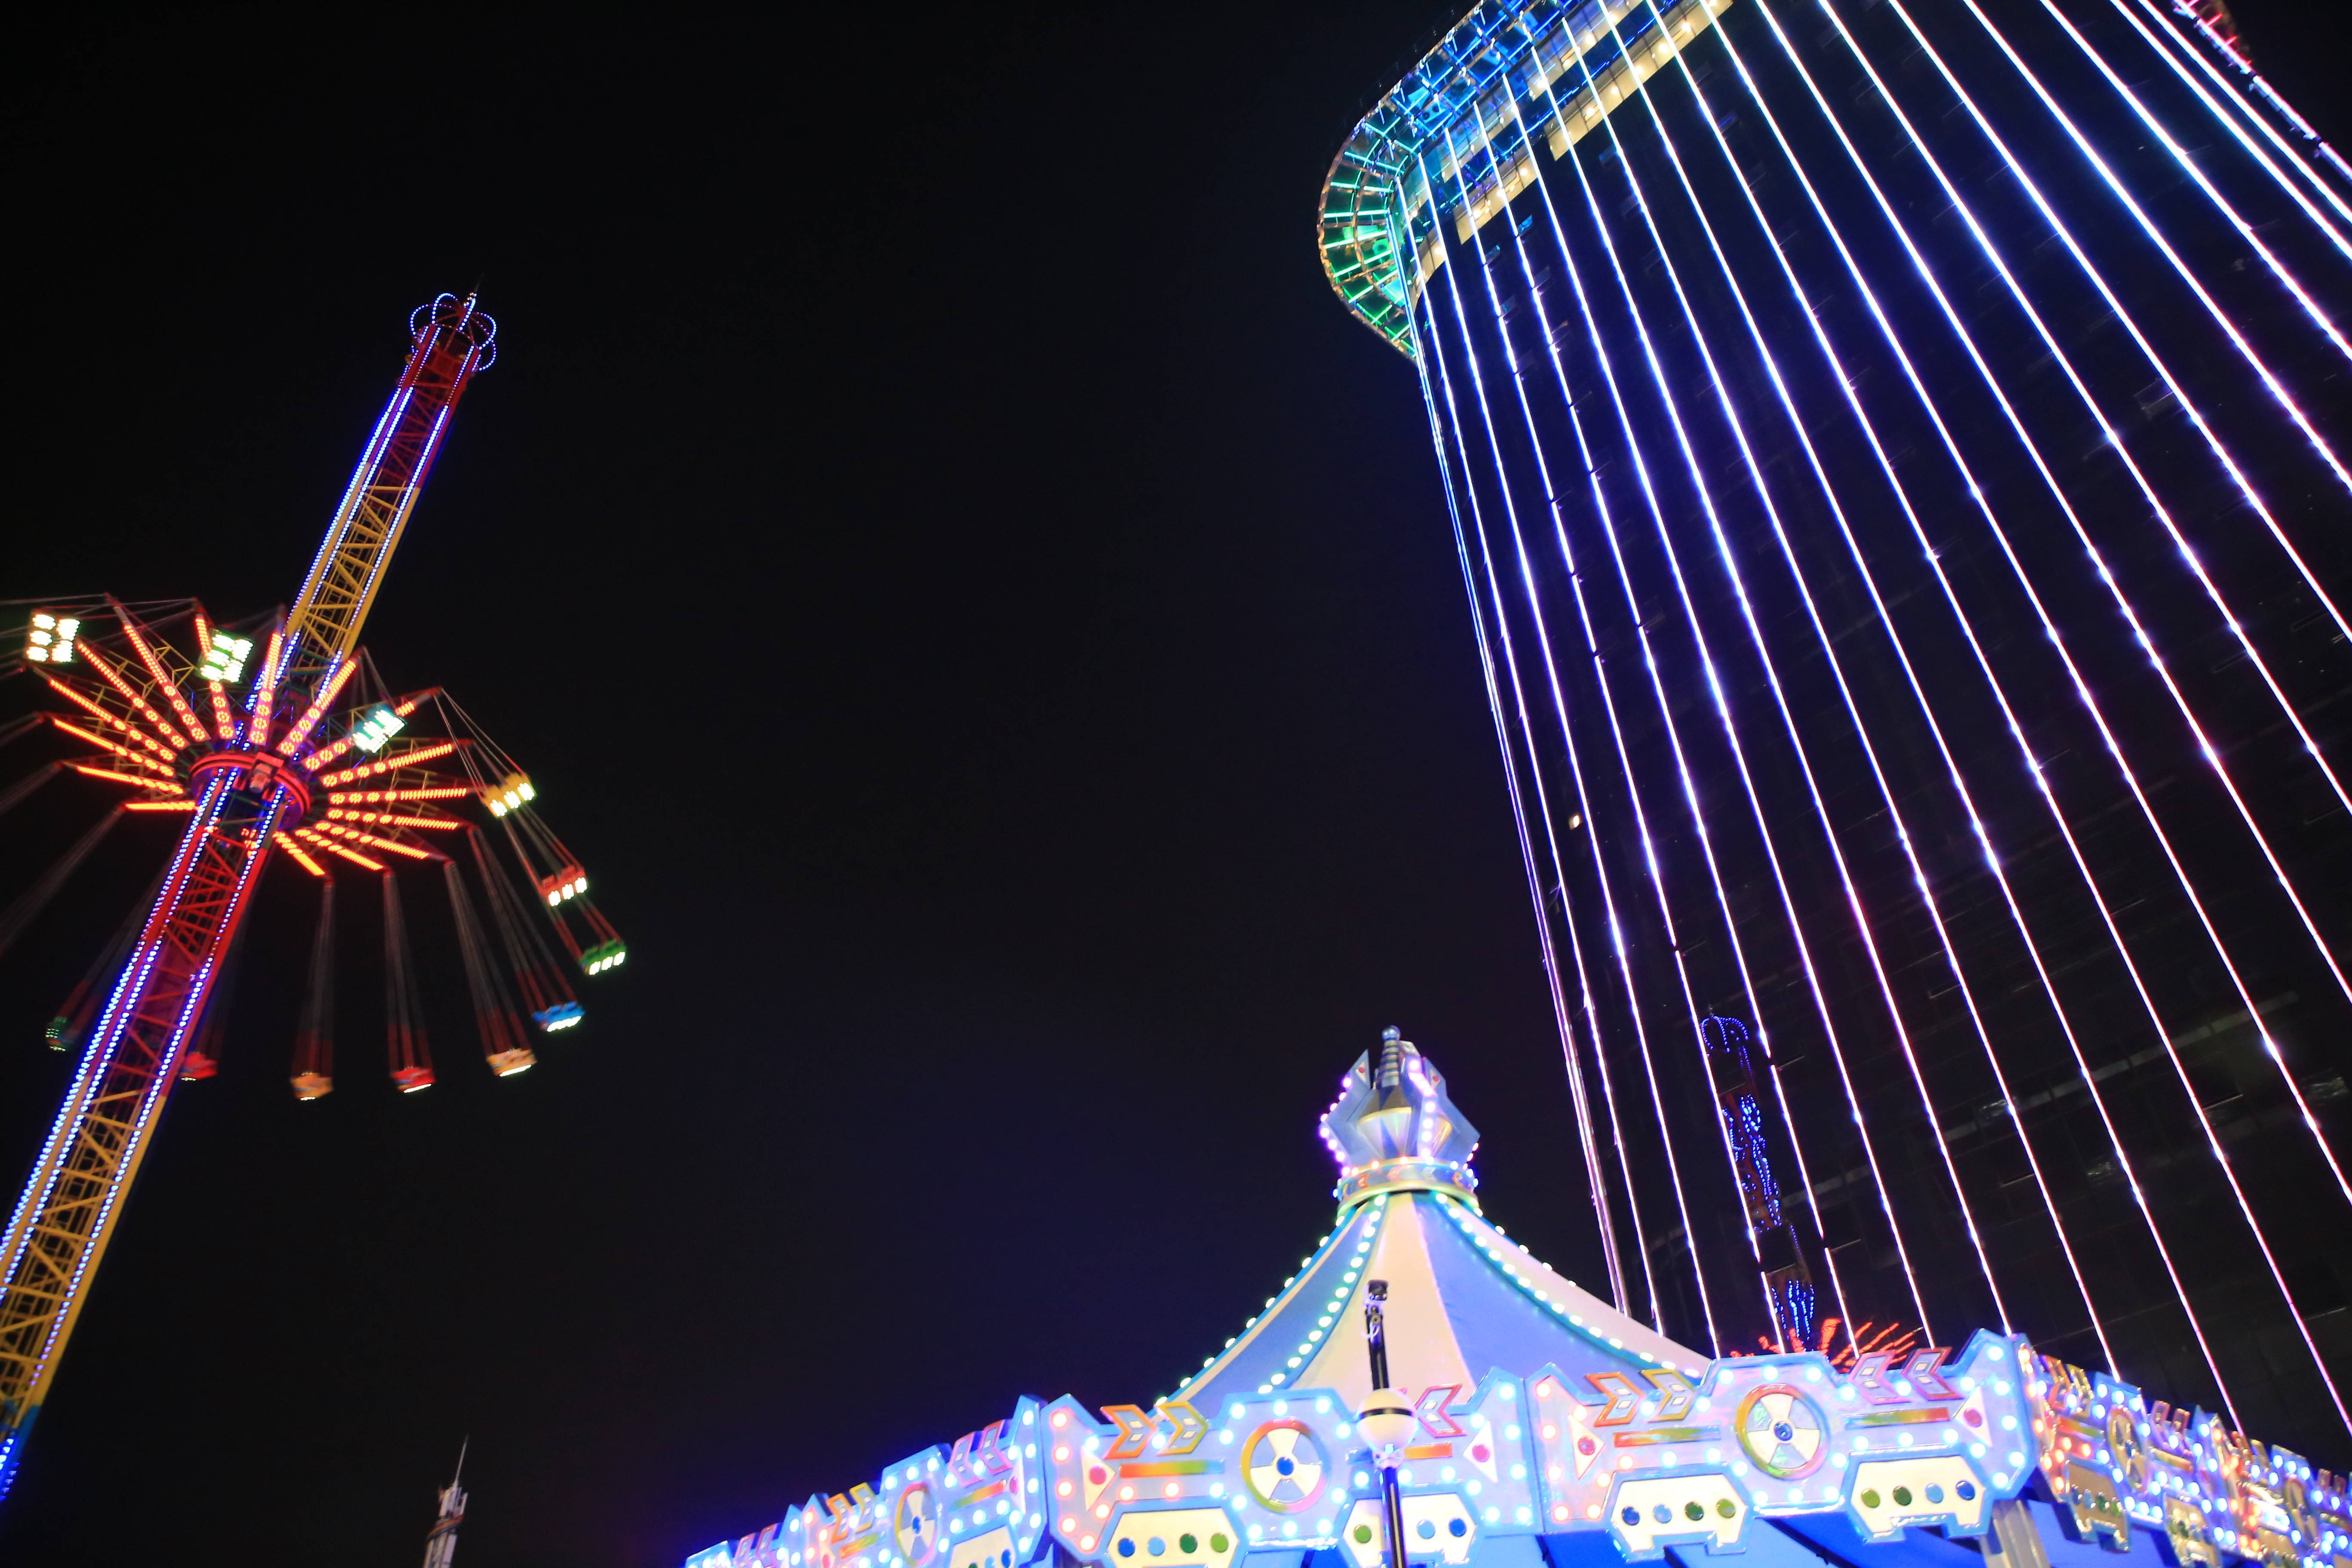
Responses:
[2130,1453]
[1284,1463]
[1782,1431]
[915,1523]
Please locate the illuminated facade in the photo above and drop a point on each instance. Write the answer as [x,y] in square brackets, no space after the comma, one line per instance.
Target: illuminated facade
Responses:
[1898,453]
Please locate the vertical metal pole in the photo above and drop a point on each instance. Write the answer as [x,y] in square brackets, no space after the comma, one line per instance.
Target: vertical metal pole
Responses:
[1375,1345]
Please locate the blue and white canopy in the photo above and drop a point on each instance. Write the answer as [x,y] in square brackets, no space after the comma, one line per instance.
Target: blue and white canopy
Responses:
[1463,1299]
[1552,1431]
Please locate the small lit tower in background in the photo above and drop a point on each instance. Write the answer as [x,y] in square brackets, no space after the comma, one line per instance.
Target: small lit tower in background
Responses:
[441,1540]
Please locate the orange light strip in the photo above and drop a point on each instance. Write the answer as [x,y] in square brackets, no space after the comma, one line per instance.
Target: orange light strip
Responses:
[114,678]
[158,806]
[331,847]
[339,814]
[328,753]
[299,858]
[372,841]
[386,764]
[223,721]
[264,689]
[155,667]
[122,778]
[121,724]
[438,791]
[313,713]
[143,761]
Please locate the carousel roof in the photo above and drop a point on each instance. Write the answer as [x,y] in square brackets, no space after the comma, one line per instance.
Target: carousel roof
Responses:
[1463,1297]
[1552,1431]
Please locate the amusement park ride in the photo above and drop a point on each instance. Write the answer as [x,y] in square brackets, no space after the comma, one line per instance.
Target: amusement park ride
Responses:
[1510,1418]
[267,736]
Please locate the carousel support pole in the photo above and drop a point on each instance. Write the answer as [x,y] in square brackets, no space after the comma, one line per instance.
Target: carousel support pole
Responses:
[1386,1421]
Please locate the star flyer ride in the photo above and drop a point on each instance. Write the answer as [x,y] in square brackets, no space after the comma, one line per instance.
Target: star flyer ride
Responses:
[1549,1429]
[268,737]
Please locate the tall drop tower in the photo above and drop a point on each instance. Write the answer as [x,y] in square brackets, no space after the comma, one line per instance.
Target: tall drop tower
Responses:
[1901,475]
[271,736]
[441,1540]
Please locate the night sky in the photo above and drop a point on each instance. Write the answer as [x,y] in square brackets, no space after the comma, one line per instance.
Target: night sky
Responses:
[983,613]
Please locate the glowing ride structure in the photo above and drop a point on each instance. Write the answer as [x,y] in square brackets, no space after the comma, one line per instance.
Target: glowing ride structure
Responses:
[1530,1423]
[270,738]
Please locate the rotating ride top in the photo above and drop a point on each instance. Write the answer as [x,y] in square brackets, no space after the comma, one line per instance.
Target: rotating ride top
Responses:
[272,735]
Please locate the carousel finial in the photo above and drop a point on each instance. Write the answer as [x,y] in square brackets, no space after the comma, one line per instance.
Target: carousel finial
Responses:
[1393,1129]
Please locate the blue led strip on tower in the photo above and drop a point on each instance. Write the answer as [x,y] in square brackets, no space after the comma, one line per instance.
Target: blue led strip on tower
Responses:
[1649,662]
[2082,689]
[1998,690]
[2205,747]
[1576,775]
[1992,860]
[1617,937]
[1601,1212]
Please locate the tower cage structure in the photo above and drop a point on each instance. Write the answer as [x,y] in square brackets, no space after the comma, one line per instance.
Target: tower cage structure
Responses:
[269,740]
[1899,466]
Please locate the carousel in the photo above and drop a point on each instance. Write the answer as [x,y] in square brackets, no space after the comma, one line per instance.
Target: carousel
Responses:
[1424,1391]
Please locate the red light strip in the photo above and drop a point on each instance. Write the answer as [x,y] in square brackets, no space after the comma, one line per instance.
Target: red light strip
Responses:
[340,813]
[373,842]
[264,689]
[313,713]
[114,678]
[332,847]
[158,806]
[438,791]
[119,751]
[122,778]
[386,764]
[171,688]
[299,858]
[119,723]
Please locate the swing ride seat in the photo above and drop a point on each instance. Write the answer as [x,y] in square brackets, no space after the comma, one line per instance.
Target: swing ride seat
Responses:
[312,1085]
[506,1064]
[408,1080]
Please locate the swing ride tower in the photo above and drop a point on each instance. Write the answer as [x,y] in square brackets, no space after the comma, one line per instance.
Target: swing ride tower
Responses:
[256,768]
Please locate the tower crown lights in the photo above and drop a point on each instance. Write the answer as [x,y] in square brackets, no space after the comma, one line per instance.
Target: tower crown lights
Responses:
[1393,1128]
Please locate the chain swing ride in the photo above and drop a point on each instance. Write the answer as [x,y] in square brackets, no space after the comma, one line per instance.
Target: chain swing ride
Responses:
[272,734]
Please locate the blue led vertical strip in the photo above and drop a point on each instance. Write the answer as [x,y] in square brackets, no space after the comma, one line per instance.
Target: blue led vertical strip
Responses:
[1903,833]
[2205,748]
[2257,86]
[1998,690]
[2204,184]
[1649,660]
[1977,498]
[1600,1188]
[1899,644]
[2229,121]
[1591,830]
[2122,195]
[1503,635]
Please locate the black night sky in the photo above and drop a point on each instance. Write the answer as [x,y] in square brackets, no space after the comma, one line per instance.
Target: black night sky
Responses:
[980,610]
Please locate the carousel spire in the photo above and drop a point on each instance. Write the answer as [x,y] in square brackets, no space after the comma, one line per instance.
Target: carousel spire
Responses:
[1393,1129]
